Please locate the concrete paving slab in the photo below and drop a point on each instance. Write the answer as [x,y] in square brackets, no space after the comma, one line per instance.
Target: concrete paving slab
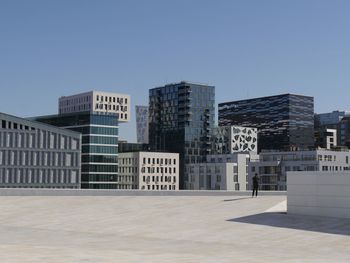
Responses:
[165,229]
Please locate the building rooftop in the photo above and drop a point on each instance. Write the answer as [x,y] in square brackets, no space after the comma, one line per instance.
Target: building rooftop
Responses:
[264,97]
[36,124]
[230,228]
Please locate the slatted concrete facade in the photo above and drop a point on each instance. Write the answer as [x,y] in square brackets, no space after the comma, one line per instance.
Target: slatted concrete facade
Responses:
[34,155]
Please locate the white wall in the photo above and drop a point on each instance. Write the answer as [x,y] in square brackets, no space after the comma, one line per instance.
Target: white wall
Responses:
[319,193]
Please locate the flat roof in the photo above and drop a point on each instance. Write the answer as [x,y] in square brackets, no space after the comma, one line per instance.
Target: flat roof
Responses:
[265,97]
[166,229]
[37,124]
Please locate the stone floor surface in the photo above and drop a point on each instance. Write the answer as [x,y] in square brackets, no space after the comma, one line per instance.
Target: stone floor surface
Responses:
[165,229]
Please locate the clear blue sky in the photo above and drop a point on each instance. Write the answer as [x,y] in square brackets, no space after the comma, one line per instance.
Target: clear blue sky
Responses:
[245,48]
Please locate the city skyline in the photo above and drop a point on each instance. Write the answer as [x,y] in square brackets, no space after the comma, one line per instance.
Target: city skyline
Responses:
[245,50]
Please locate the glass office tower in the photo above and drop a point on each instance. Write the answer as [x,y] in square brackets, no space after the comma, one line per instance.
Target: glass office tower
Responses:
[181,116]
[99,161]
[284,122]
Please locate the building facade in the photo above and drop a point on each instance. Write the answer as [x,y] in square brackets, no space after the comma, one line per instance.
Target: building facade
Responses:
[99,159]
[148,171]
[181,117]
[284,122]
[97,102]
[124,147]
[337,120]
[34,155]
[231,139]
[142,124]
[220,172]
[331,118]
[272,167]
[326,138]
[343,128]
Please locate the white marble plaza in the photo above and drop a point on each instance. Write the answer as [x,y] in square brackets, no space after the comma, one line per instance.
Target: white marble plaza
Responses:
[165,229]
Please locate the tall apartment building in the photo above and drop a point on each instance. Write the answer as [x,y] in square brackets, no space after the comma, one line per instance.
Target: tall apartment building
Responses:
[284,122]
[97,102]
[148,171]
[181,116]
[142,124]
[96,115]
[231,139]
[272,167]
[35,155]
[220,172]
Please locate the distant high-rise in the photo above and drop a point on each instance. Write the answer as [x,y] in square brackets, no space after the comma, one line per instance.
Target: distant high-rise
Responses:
[344,132]
[181,116]
[284,122]
[331,118]
[97,102]
[142,124]
[337,120]
[96,115]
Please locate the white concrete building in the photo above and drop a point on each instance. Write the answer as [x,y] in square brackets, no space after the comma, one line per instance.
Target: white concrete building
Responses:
[220,172]
[272,167]
[319,194]
[149,171]
[231,139]
[97,101]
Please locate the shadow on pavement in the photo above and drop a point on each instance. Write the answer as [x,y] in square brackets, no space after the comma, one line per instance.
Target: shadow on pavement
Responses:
[236,199]
[327,225]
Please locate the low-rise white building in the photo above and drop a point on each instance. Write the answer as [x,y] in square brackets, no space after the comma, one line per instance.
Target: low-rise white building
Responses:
[149,171]
[97,101]
[220,172]
[272,166]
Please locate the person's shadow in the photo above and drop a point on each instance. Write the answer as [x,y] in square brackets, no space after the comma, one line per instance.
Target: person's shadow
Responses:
[236,199]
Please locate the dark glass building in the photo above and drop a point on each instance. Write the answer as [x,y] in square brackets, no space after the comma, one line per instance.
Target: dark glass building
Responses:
[181,116]
[99,161]
[284,122]
[125,147]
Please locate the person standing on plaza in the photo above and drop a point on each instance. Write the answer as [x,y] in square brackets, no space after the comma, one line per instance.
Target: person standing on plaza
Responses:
[255,185]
